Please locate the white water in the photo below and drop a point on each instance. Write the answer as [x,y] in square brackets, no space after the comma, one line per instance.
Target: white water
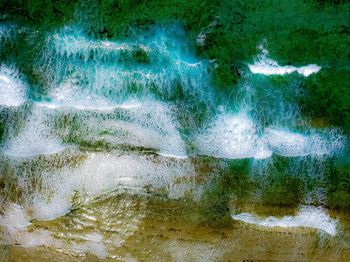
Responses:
[14,218]
[100,73]
[232,136]
[270,67]
[267,121]
[149,124]
[15,222]
[36,138]
[71,94]
[308,216]
[95,174]
[100,173]
[286,143]
[236,136]
[12,88]
[267,66]
[98,105]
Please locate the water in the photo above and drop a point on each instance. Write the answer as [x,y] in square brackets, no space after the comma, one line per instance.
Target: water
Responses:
[13,89]
[266,66]
[125,149]
[136,228]
[307,217]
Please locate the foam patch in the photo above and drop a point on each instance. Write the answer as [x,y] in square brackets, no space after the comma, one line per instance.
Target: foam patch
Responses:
[102,173]
[308,216]
[36,138]
[105,73]
[12,88]
[236,136]
[232,136]
[267,66]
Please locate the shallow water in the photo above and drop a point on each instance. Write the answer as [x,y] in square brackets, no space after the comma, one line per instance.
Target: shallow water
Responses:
[134,228]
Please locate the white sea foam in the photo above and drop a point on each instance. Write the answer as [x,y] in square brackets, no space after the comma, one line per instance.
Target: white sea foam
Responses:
[15,222]
[308,216]
[236,136]
[87,74]
[270,67]
[148,124]
[173,156]
[89,107]
[36,138]
[267,66]
[102,72]
[101,173]
[93,244]
[232,136]
[71,94]
[12,88]
[14,217]
[71,41]
[91,75]
[29,239]
[286,143]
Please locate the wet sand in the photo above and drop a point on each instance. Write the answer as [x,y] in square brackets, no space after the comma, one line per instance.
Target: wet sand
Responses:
[137,228]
